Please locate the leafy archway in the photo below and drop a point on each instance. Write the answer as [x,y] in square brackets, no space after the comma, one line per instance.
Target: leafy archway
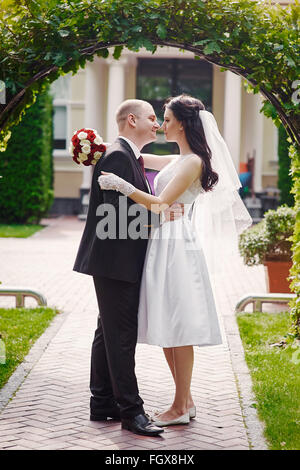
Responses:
[40,40]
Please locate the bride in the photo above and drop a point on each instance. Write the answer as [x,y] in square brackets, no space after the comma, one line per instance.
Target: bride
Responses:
[177,309]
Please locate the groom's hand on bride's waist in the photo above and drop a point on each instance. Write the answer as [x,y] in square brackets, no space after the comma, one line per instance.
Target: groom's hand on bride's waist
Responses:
[174,212]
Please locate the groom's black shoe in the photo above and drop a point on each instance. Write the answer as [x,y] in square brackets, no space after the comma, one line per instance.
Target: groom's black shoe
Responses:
[140,424]
[113,413]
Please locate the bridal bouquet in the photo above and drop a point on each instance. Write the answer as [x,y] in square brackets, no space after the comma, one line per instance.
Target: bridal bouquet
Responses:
[86,146]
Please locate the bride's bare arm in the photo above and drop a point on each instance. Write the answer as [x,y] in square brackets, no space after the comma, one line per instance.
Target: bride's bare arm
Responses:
[157,162]
[190,171]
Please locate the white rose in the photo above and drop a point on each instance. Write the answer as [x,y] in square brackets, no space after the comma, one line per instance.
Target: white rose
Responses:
[82,157]
[98,140]
[94,162]
[86,149]
[82,135]
[97,155]
[85,142]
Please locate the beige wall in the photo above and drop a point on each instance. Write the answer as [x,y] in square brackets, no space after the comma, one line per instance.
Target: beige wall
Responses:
[67,183]
[269,181]
[78,86]
[68,176]
[218,96]
[270,161]
[130,77]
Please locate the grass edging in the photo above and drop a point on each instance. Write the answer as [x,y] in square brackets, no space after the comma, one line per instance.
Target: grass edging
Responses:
[275,376]
[18,376]
[19,231]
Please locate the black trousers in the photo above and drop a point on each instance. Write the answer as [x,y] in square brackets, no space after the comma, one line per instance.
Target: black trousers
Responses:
[113,377]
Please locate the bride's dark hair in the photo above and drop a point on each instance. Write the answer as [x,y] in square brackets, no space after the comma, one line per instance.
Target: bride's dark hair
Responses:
[186,110]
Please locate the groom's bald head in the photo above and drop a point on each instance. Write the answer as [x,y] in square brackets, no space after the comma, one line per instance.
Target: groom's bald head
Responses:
[129,107]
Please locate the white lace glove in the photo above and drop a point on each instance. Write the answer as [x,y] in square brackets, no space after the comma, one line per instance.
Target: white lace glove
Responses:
[113,182]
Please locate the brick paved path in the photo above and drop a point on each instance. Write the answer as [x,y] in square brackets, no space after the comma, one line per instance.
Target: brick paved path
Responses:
[50,410]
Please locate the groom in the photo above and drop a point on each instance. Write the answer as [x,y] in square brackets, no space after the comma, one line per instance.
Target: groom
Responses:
[116,265]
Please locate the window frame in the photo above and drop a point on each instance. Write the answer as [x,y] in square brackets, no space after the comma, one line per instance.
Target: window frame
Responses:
[67,104]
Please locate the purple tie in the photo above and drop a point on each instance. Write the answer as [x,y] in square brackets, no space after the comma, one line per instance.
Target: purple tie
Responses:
[141,162]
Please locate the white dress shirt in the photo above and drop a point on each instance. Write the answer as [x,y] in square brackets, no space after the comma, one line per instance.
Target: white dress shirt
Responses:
[137,154]
[134,148]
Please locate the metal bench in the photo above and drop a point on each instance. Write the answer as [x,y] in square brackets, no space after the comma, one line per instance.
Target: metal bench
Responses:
[258,299]
[20,293]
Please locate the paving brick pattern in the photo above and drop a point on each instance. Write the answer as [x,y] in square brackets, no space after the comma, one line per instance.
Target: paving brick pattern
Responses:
[50,409]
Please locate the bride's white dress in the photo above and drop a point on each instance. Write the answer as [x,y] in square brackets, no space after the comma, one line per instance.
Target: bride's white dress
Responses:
[177,306]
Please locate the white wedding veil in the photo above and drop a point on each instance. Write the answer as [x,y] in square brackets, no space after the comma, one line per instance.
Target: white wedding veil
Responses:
[219,216]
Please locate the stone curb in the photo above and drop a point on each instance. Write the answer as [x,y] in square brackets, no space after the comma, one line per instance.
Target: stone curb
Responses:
[254,426]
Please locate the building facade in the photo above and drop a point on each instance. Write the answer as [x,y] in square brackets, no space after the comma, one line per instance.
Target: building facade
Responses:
[91,97]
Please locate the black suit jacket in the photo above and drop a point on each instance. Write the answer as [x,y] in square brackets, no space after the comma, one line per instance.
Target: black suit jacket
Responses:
[115,255]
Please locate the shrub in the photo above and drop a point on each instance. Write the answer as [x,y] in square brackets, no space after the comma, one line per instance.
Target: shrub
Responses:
[270,239]
[26,166]
[295,271]
[284,176]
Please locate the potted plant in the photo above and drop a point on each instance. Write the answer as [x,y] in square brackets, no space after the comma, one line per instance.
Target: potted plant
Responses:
[269,243]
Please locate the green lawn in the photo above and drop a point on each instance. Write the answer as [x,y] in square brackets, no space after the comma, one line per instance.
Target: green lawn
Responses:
[19,329]
[275,372]
[18,231]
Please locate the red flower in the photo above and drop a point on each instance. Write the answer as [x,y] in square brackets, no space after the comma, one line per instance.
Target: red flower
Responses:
[91,136]
[75,140]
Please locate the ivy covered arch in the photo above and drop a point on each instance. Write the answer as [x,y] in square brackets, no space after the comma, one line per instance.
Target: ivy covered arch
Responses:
[40,40]
[43,39]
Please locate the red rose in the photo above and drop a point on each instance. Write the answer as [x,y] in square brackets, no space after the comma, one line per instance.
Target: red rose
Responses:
[102,148]
[91,136]
[75,140]
[87,162]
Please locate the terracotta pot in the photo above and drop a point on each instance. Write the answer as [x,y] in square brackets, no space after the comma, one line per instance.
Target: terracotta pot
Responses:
[277,273]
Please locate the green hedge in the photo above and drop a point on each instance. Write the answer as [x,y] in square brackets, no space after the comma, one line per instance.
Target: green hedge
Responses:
[284,177]
[295,271]
[26,166]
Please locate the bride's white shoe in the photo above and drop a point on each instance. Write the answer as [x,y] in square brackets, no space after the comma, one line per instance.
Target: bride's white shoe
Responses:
[184,419]
[192,412]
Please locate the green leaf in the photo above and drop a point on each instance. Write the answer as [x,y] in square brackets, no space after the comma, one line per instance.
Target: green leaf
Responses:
[103,53]
[290,61]
[149,45]
[278,47]
[117,52]
[200,43]
[212,47]
[161,31]
[60,59]
[137,29]
[63,33]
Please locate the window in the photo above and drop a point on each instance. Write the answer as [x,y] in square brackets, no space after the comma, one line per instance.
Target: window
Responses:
[60,90]
[158,79]
[60,127]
